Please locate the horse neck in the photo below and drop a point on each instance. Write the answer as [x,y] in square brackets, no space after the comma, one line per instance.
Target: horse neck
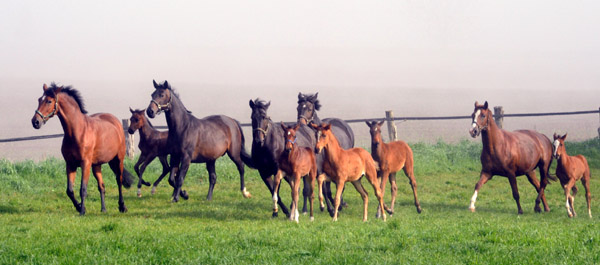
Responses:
[491,137]
[176,116]
[70,115]
[333,149]
[315,118]
[146,131]
[378,150]
[563,160]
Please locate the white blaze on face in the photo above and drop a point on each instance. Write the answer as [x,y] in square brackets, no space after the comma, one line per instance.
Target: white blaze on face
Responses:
[556,145]
[476,117]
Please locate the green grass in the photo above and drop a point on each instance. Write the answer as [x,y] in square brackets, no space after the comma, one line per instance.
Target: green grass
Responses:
[38,223]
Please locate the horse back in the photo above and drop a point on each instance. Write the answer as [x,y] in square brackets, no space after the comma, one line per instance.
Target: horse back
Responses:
[101,140]
[521,152]
[342,132]
[397,155]
[212,136]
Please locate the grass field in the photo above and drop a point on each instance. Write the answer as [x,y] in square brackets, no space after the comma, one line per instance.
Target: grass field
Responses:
[38,223]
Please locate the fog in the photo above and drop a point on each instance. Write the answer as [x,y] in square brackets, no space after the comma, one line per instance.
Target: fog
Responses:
[417,58]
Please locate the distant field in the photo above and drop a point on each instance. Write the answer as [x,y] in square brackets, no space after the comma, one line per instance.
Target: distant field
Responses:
[39,224]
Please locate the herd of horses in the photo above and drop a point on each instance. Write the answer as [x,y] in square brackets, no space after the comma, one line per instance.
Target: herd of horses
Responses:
[312,150]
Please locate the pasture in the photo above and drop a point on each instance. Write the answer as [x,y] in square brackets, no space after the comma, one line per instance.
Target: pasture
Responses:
[38,223]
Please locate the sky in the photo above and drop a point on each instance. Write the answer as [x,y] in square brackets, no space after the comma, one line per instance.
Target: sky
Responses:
[363,57]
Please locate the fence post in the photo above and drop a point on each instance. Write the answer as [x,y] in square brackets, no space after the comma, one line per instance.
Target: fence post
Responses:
[129,141]
[389,117]
[499,116]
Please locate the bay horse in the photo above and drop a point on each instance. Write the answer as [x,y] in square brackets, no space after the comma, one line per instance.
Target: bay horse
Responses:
[268,147]
[569,170]
[153,143]
[296,163]
[511,154]
[193,140]
[89,141]
[392,157]
[342,165]
[308,105]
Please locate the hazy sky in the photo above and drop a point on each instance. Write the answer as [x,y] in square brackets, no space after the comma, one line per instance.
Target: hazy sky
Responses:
[401,55]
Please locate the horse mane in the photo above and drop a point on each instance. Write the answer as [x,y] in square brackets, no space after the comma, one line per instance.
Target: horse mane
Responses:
[262,104]
[74,93]
[312,98]
[143,111]
[168,86]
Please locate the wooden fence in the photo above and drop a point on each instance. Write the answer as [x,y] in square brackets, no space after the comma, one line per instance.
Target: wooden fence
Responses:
[499,116]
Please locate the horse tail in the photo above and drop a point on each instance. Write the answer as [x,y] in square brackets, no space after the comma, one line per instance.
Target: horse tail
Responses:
[127,179]
[246,158]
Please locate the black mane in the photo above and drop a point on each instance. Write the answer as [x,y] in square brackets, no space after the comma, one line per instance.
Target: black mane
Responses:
[312,98]
[166,85]
[74,93]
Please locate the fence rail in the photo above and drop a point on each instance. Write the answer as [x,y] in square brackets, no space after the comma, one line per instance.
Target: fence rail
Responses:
[408,118]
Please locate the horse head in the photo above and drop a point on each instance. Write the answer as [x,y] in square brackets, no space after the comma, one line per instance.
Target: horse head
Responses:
[161,99]
[137,120]
[375,130]
[323,134]
[261,122]
[481,118]
[559,145]
[290,136]
[47,106]
[308,105]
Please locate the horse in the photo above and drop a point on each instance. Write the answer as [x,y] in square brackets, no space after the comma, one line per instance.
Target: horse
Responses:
[511,154]
[88,142]
[308,105]
[392,157]
[153,143]
[569,170]
[296,162]
[342,165]
[268,146]
[193,140]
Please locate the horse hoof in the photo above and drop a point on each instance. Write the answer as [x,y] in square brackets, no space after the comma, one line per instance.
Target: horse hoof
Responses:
[139,194]
[246,194]
[322,208]
[153,190]
[472,209]
[418,210]
[275,214]
[312,218]
[184,195]
[103,210]
[331,214]
[304,212]
[122,208]
[82,212]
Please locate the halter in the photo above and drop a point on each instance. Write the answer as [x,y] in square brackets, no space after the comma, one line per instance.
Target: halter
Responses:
[293,142]
[45,118]
[305,118]
[162,107]
[265,130]
[481,128]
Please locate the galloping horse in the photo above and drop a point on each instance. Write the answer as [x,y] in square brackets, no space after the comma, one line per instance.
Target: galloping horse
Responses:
[268,146]
[89,141]
[511,154]
[308,105]
[193,140]
[153,143]
[392,157]
[569,170]
[342,165]
[296,162]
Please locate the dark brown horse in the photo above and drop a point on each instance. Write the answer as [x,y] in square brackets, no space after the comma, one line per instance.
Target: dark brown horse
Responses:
[511,154]
[308,105]
[342,166]
[153,143]
[89,141]
[296,162]
[569,170]
[193,140]
[392,157]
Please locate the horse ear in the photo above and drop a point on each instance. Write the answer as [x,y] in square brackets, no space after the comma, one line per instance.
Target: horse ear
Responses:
[485,105]
[368,123]
[251,103]
[476,103]
[327,126]
[45,87]
[555,136]
[155,84]
[268,104]
[283,126]
[297,126]
[380,123]
[300,96]
[166,84]
[130,110]
[564,137]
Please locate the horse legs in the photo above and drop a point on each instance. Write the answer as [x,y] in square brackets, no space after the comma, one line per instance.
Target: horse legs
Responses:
[363,193]
[266,177]
[179,179]
[305,194]
[165,166]
[338,195]
[240,167]
[85,177]
[212,178]
[97,170]
[140,172]
[117,167]
[483,178]
[569,201]
[394,191]
[408,171]
[383,175]
[295,185]
[588,196]
[275,191]
[71,174]
[515,191]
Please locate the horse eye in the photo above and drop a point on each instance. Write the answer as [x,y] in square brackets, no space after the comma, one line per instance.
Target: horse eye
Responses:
[48,101]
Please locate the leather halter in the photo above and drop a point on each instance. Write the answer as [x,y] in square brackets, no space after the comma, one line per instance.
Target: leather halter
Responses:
[264,131]
[160,107]
[305,118]
[45,118]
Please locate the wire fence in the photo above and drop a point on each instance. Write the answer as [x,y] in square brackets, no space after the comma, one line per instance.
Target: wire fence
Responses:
[430,118]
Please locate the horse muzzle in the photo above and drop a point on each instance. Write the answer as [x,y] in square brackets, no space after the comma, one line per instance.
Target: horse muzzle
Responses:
[131,131]
[150,112]
[474,132]
[36,122]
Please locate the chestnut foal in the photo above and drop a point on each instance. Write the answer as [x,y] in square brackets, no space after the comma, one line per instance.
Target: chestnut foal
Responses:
[569,170]
[392,157]
[346,165]
[296,162]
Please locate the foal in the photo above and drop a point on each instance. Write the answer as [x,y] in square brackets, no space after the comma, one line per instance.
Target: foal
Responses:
[392,157]
[346,165]
[153,143]
[296,162]
[569,170]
